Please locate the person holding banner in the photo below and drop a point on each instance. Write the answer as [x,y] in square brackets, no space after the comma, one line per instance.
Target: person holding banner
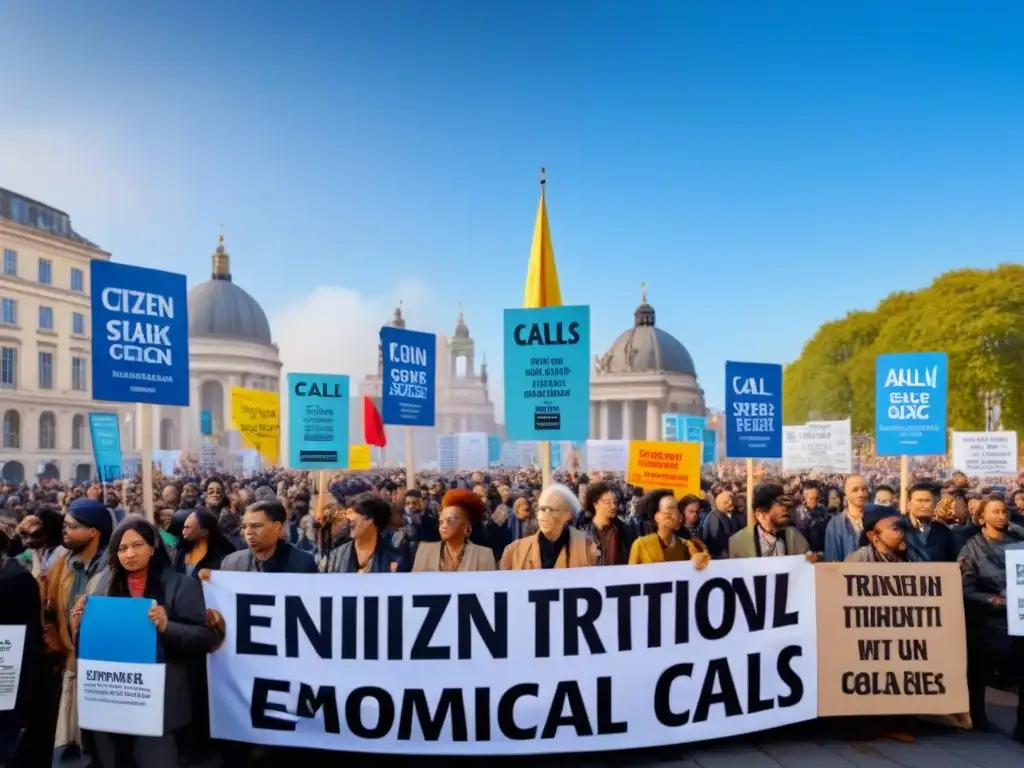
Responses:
[267,550]
[461,510]
[665,545]
[990,647]
[367,551]
[556,544]
[138,566]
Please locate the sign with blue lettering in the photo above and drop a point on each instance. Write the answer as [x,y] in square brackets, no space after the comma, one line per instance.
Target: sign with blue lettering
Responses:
[318,406]
[753,410]
[410,361]
[106,446]
[710,444]
[205,423]
[139,334]
[910,404]
[547,373]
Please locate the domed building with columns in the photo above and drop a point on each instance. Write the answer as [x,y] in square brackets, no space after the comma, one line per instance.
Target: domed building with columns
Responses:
[645,373]
[229,346]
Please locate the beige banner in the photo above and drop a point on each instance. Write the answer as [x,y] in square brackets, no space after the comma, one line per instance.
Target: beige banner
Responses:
[890,639]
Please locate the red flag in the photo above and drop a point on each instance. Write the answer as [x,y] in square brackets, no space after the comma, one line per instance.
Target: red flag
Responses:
[373,425]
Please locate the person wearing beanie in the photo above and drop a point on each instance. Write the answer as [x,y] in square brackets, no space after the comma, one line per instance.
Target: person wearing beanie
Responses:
[87,528]
[883,538]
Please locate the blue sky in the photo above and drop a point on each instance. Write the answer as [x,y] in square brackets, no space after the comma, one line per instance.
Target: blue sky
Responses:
[764,167]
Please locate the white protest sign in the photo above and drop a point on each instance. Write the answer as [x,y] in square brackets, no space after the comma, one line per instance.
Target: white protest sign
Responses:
[533,662]
[823,445]
[1015,590]
[121,697]
[985,454]
[12,648]
[612,455]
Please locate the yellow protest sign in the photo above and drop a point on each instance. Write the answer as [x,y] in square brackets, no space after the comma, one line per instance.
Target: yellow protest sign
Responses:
[359,457]
[256,414]
[658,464]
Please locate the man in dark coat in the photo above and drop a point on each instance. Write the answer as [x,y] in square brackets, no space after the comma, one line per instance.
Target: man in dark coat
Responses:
[20,605]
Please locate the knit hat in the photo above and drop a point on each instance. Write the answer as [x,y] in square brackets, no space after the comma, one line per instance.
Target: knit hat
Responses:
[873,515]
[92,514]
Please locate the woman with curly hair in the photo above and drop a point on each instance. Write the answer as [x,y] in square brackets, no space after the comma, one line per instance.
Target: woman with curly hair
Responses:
[461,510]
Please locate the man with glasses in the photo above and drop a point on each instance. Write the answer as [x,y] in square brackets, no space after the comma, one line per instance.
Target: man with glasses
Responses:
[267,550]
[556,544]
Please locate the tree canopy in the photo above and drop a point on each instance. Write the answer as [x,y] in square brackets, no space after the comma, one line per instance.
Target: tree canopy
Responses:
[975,316]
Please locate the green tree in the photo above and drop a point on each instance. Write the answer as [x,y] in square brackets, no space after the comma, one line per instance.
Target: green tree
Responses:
[975,316]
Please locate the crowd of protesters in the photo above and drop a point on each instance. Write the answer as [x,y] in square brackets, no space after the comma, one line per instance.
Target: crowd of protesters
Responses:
[59,544]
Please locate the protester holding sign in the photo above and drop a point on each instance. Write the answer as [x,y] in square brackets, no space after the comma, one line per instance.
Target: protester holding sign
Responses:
[461,511]
[665,545]
[556,544]
[138,566]
[990,648]
[883,538]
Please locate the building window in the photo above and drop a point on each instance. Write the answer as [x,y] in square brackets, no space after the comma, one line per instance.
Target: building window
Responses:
[12,429]
[78,374]
[47,431]
[46,370]
[77,432]
[8,312]
[45,318]
[46,272]
[8,367]
[10,262]
[77,280]
[78,324]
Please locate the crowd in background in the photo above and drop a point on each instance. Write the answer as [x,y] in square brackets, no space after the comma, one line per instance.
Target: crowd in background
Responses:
[65,543]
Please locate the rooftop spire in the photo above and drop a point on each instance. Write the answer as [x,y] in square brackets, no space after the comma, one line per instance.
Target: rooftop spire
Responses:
[644,314]
[221,260]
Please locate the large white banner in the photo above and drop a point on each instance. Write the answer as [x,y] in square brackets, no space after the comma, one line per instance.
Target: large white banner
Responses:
[823,445]
[514,662]
[985,454]
[612,455]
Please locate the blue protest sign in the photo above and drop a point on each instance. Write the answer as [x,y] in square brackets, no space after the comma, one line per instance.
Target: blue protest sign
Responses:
[117,629]
[318,405]
[710,446]
[139,334]
[494,449]
[205,423]
[670,423]
[547,373]
[753,410]
[106,446]
[410,361]
[692,430]
[910,404]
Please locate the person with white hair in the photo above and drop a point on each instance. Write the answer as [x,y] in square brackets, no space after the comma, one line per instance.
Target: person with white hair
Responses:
[556,544]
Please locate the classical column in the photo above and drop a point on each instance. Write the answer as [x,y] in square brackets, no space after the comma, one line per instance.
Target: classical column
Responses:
[594,415]
[653,420]
[158,417]
[603,432]
[627,419]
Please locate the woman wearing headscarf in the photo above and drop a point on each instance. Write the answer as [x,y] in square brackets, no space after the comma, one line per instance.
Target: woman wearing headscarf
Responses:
[203,545]
[138,566]
[367,551]
[461,510]
[990,647]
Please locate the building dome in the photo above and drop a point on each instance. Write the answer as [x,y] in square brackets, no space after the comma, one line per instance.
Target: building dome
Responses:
[645,348]
[461,329]
[222,309]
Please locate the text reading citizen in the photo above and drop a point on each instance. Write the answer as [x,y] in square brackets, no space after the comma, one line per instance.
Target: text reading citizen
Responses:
[138,341]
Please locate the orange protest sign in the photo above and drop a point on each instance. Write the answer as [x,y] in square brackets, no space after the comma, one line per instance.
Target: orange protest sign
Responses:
[655,464]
